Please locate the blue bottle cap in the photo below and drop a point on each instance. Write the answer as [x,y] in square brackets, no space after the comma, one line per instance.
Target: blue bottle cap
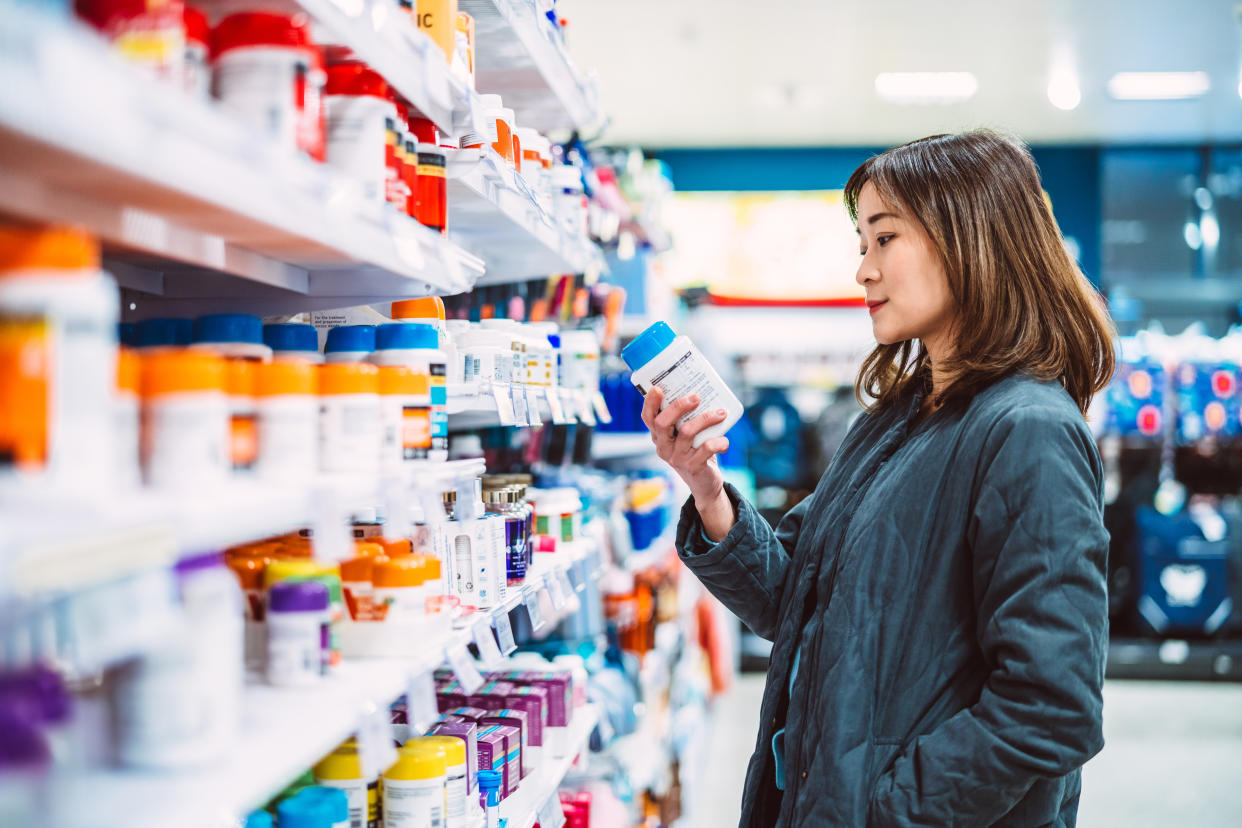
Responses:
[647,345]
[300,811]
[405,335]
[350,338]
[554,340]
[291,337]
[229,327]
[259,819]
[164,331]
[489,780]
[333,800]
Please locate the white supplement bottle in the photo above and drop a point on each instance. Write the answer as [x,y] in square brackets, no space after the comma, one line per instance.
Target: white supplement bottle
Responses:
[415,346]
[414,787]
[350,432]
[295,639]
[288,420]
[661,359]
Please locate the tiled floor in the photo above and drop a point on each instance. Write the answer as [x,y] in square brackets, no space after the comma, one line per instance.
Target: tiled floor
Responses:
[1173,758]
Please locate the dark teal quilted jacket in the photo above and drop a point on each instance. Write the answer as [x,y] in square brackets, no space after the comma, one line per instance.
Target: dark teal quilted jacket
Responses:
[946,585]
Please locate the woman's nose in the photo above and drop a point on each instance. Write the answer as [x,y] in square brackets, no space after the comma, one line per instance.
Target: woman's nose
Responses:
[867,272]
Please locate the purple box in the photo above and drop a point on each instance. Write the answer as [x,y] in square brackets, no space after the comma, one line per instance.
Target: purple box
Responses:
[473,714]
[533,703]
[513,746]
[468,732]
[494,754]
[560,693]
[517,719]
[449,699]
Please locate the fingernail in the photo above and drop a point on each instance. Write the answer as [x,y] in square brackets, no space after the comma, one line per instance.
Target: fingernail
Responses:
[720,412]
[693,399]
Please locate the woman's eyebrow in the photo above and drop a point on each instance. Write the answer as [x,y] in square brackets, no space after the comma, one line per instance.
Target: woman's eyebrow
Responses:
[878,216]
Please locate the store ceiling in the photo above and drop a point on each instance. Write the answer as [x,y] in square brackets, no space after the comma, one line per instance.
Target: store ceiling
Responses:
[802,72]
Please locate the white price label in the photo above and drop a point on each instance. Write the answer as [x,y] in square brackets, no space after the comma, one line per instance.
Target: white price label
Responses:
[464,668]
[521,416]
[376,752]
[554,405]
[567,583]
[585,414]
[551,814]
[489,650]
[504,404]
[532,406]
[504,633]
[601,407]
[420,702]
[534,611]
[555,591]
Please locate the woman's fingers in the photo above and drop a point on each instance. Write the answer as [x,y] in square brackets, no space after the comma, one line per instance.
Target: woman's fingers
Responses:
[705,420]
[674,411]
[710,448]
[651,407]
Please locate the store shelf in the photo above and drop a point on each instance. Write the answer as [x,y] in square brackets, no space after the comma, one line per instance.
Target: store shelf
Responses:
[1154,659]
[472,407]
[520,56]
[522,809]
[284,731]
[495,216]
[621,445]
[193,205]
[57,543]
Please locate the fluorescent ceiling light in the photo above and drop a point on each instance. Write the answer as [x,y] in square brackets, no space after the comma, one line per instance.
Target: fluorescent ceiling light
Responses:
[1063,90]
[926,87]
[1158,86]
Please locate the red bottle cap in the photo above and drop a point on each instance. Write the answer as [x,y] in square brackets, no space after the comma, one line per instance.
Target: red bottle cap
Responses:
[238,31]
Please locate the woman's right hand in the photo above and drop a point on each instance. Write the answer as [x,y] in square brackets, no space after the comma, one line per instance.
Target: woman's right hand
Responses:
[695,466]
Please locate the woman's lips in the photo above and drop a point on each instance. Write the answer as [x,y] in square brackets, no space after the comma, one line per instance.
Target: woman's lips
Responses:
[872,307]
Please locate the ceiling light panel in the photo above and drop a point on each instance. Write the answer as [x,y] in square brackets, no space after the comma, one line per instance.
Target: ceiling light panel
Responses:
[1158,86]
[926,88]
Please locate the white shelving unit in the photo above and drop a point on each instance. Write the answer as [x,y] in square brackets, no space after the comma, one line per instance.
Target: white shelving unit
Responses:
[522,808]
[473,407]
[521,57]
[606,445]
[495,216]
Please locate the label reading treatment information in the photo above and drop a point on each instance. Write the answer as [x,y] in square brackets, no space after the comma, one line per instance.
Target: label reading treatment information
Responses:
[684,377]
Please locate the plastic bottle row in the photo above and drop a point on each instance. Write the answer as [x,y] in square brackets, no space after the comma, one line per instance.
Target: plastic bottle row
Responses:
[278,74]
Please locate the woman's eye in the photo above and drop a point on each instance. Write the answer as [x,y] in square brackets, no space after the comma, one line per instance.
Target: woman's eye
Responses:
[883,240]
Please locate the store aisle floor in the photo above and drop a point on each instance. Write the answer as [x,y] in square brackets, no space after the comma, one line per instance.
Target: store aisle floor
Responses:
[1172,757]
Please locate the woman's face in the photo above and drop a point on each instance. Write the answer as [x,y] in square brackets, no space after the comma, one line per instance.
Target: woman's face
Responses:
[907,289]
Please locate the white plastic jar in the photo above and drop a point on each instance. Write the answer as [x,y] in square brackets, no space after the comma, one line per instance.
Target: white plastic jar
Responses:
[288,421]
[569,201]
[349,418]
[296,615]
[267,73]
[405,414]
[400,588]
[486,356]
[507,329]
[180,703]
[580,360]
[58,317]
[128,419]
[546,333]
[415,346]
[454,330]
[185,421]
[661,359]
[357,114]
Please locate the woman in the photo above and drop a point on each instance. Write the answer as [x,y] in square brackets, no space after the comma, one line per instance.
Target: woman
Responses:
[937,606]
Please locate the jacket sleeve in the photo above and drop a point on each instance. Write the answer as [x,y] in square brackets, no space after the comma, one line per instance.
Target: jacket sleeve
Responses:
[746,570]
[1039,551]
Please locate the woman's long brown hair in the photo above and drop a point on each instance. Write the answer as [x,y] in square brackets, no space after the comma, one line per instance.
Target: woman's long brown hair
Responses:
[1022,303]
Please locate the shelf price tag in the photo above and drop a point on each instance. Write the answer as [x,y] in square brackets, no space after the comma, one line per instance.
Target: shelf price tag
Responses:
[567,583]
[585,414]
[519,405]
[464,668]
[420,703]
[534,610]
[532,405]
[555,591]
[601,407]
[489,650]
[504,404]
[551,814]
[504,633]
[554,405]
[375,749]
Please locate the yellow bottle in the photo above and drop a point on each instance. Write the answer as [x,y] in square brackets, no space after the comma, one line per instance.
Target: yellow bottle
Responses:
[456,785]
[342,769]
[413,794]
[438,18]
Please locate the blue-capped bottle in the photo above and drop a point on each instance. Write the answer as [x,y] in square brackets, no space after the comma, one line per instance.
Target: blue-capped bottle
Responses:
[661,359]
